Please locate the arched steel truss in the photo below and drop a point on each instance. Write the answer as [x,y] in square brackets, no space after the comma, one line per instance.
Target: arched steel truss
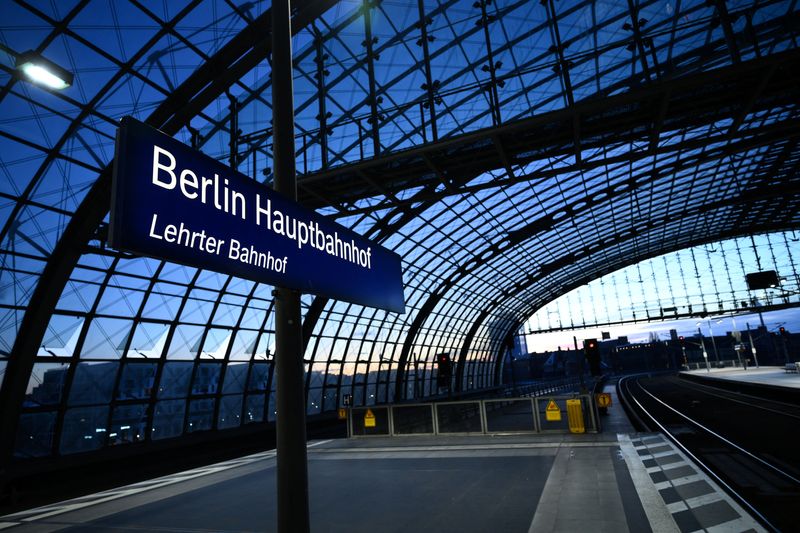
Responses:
[614,132]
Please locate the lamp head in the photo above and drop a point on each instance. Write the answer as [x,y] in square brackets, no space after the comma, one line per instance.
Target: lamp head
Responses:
[43,71]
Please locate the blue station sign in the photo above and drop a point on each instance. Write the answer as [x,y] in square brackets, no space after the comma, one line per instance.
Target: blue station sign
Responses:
[175,203]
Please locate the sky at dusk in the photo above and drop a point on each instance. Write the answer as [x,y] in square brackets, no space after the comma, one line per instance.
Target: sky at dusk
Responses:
[788,318]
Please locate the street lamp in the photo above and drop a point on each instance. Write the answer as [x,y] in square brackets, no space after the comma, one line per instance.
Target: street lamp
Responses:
[737,338]
[752,344]
[38,69]
[703,345]
[713,342]
[705,355]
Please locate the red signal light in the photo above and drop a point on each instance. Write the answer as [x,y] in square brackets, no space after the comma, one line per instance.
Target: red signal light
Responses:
[592,353]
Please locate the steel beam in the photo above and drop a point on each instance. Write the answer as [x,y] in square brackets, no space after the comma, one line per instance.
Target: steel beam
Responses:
[322,93]
[424,21]
[727,27]
[691,101]
[369,43]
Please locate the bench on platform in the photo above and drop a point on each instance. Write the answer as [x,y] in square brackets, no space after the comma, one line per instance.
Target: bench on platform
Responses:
[792,367]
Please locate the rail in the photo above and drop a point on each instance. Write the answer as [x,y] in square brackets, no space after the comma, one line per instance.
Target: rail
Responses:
[672,430]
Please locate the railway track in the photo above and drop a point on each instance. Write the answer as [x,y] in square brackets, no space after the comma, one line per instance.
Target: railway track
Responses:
[749,445]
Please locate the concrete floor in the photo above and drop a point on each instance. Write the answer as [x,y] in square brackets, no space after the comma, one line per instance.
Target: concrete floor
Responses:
[454,484]
[765,375]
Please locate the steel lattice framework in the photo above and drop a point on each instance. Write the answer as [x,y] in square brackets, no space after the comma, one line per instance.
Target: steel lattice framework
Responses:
[509,151]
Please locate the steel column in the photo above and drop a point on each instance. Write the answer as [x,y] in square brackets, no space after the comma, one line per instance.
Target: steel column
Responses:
[292,463]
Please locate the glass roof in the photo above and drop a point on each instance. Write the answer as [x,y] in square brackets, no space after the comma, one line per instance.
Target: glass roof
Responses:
[509,151]
[690,284]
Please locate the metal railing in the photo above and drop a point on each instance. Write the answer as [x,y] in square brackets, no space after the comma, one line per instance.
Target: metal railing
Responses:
[543,387]
[474,417]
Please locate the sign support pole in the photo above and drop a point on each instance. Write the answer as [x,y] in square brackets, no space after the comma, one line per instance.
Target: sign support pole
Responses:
[292,461]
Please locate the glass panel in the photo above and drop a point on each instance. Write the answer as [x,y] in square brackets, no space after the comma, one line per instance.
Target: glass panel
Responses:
[148,341]
[198,307]
[175,380]
[358,395]
[370,421]
[46,384]
[381,392]
[459,417]
[244,346]
[84,429]
[3,364]
[314,401]
[216,343]
[206,378]
[371,394]
[76,296]
[35,435]
[161,304]
[412,419]
[254,408]
[329,399]
[61,336]
[93,383]
[168,419]
[509,415]
[230,412]
[106,338]
[120,297]
[316,375]
[185,342]
[558,420]
[235,378]
[259,375]
[137,381]
[272,411]
[201,415]
[128,424]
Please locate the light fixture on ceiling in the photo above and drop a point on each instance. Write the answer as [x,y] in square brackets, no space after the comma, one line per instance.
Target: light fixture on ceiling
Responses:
[40,70]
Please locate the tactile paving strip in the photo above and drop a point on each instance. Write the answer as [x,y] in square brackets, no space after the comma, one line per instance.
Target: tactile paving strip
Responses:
[694,500]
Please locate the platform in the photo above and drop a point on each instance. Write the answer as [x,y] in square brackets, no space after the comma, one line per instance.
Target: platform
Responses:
[608,482]
[765,375]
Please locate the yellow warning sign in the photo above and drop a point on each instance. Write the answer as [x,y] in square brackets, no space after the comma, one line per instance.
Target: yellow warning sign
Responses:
[369,419]
[342,413]
[603,399]
[552,412]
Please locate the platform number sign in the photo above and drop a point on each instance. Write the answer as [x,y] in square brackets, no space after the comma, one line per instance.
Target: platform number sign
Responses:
[172,202]
[603,399]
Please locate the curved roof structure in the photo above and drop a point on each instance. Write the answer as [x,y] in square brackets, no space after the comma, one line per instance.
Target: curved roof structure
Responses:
[509,151]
